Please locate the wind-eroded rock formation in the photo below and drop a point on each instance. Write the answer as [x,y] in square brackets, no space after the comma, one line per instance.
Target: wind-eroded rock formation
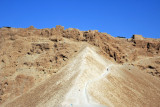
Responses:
[31,57]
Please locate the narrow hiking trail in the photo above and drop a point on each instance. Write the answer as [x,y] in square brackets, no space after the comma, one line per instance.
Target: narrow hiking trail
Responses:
[89,80]
[91,67]
[69,86]
[106,72]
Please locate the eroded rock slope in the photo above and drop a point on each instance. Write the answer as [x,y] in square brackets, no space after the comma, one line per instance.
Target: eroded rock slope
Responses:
[30,57]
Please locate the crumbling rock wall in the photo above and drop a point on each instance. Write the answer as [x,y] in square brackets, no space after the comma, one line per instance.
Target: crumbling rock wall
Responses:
[110,45]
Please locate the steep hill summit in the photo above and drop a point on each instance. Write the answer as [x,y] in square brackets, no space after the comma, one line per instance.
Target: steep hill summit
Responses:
[53,67]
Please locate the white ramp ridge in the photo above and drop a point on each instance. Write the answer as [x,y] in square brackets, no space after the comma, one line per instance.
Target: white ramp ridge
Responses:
[91,67]
[70,86]
[89,80]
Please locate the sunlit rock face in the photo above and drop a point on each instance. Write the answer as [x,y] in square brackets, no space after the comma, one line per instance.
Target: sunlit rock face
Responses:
[69,67]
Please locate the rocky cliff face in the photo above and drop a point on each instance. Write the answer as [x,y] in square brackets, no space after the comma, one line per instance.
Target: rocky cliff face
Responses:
[29,56]
[119,49]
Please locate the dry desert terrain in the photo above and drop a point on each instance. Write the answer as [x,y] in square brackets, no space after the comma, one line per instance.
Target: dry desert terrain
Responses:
[60,67]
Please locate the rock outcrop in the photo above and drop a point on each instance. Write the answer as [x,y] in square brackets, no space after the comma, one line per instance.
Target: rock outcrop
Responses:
[137,37]
[30,56]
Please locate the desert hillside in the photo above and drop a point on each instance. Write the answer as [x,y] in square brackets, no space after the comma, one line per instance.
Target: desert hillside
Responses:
[67,67]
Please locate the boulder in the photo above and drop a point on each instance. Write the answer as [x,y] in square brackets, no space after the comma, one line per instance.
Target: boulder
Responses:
[59,28]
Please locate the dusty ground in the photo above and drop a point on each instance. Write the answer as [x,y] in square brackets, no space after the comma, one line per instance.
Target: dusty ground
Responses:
[52,67]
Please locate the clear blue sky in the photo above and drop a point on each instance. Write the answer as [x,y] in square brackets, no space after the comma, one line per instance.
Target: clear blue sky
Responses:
[115,17]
